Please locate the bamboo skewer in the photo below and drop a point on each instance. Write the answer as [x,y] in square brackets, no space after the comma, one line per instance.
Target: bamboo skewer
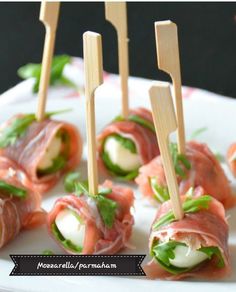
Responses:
[93,78]
[168,61]
[165,123]
[49,16]
[116,14]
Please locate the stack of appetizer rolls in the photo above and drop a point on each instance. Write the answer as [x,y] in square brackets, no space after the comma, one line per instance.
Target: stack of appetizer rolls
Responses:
[195,246]
[45,150]
[33,157]
[20,206]
[93,218]
[85,224]
[35,154]
[198,167]
[189,234]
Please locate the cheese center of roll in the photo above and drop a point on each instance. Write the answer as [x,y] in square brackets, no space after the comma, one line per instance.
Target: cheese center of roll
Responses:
[51,153]
[121,156]
[186,258]
[71,227]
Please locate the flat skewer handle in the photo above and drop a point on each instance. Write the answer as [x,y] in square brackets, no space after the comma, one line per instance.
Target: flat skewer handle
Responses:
[165,123]
[168,60]
[93,78]
[49,16]
[116,14]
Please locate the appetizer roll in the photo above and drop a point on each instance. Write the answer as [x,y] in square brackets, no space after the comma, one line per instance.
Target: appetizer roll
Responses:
[195,246]
[19,205]
[231,157]
[84,224]
[199,167]
[125,145]
[45,150]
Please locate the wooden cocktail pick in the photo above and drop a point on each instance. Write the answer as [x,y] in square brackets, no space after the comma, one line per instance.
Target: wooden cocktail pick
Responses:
[49,16]
[168,60]
[116,14]
[165,123]
[93,78]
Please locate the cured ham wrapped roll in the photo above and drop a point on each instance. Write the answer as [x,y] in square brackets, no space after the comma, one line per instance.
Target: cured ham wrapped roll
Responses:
[195,246]
[125,145]
[44,150]
[84,224]
[199,167]
[19,205]
[231,157]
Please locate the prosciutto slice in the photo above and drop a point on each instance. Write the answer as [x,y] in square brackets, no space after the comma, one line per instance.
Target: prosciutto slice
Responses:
[17,213]
[207,227]
[144,138]
[231,157]
[29,150]
[99,239]
[205,171]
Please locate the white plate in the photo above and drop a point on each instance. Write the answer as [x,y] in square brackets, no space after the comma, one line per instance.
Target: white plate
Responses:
[217,114]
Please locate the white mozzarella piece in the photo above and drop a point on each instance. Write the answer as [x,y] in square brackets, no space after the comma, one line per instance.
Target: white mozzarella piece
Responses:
[185,258]
[121,156]
[71,227]
[52,152]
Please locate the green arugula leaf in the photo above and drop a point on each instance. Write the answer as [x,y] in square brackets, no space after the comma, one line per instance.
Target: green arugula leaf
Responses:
[34,71]
[29,70]
[82,188]
[106,206]
[12,190]
[65,242]
[118,119]
[220,157]
[50,114]
[145,123]
[70,181]
[161,194]
[128,177]
[107,209]
[58,64]
[104,191]
[189,206]
[198,132]
[195,205]
[163,252]
[181,163]
[18,127]
[48,252]
[211,251]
